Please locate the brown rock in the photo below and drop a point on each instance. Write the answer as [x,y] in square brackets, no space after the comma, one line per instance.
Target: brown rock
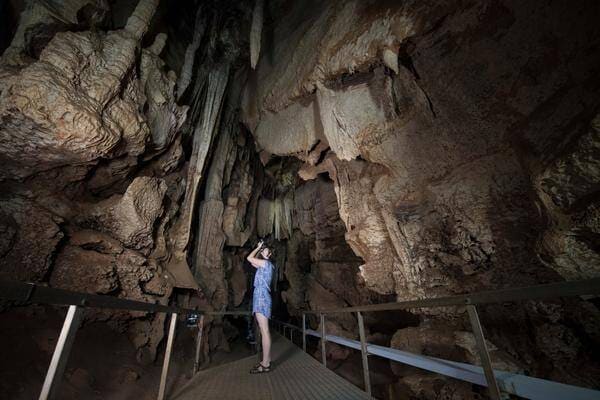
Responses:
[97,241]
[164,116]
[29,236]
[128,376]
[85,271]
[130,218]
[67,107]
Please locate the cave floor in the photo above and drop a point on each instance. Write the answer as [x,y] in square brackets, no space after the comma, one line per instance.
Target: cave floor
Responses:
[295,375]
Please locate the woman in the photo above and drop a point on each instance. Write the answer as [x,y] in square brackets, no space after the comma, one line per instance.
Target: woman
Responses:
[261,301]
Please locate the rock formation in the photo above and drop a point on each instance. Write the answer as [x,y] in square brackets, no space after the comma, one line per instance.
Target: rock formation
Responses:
[386,150]
[72,129]
[462,154]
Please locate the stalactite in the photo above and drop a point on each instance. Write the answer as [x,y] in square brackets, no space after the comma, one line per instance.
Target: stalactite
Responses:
[214,180]
[203,134]
[275,216]
[288,209]
[256,32]
[138,22]
[210,239]
[185,77]
[164,116]
[390,59]
[264,220]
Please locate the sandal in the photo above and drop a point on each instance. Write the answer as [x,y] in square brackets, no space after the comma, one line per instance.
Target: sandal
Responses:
[260,369]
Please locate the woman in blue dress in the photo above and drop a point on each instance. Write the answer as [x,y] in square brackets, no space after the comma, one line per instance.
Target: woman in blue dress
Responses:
[261,301]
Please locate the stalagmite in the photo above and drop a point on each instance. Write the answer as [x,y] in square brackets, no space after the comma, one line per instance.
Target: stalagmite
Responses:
[255,32]
[185,77]
[203,134]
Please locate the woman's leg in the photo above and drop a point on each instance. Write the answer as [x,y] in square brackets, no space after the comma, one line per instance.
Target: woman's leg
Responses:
[263,324]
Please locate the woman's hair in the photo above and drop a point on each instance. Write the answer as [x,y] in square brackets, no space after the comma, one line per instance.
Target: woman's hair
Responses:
[267,248]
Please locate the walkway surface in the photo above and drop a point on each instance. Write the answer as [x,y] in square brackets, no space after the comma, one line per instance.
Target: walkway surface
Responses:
[295,375]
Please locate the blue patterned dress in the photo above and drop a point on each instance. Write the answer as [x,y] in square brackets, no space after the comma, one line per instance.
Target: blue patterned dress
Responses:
[261,301]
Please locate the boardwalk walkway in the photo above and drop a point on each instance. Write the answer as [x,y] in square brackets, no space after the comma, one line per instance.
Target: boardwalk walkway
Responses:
[295,376]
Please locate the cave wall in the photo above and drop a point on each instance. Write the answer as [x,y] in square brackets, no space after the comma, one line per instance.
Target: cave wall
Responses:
[90,163]
[104,150]
[461,139]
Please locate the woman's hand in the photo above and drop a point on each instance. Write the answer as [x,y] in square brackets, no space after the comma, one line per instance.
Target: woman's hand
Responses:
[256,262]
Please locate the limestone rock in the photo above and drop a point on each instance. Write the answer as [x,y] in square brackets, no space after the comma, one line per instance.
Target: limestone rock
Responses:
[146,336]
[209,269]
[84,271]
[111,177]
[130,218]
[241,196]
[38,23]
[237,279]
[446,343]
[164,116]
[575,176]
[128,376]
[97,241]
[29,236]
[133,272]
[170,159]
[79,102]
[454,170]
[296,267]
[430,387]
[156,286]
[321,298]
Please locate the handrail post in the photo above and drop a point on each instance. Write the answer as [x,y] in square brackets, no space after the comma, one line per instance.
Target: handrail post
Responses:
[304,332]
[323,340]
[364,352]
[484,355]
[292,335]
[61,352]
[198,345]
[165,369]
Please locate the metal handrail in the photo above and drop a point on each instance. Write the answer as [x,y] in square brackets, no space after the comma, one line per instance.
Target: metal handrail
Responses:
[35,293]
[512,383]
[524,386]
[537,292]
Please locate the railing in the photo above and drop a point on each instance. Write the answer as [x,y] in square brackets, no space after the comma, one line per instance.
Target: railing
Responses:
[32,293]
[497,382]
